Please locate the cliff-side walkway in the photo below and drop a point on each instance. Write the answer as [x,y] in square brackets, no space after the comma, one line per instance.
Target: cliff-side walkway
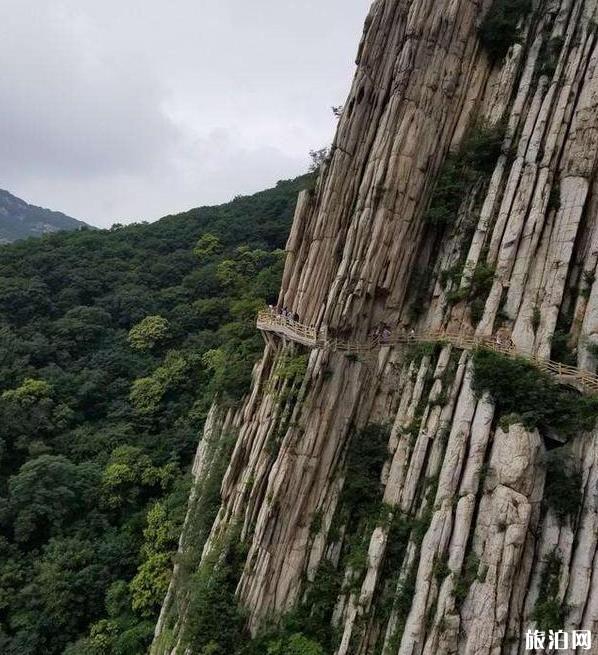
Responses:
[313,337]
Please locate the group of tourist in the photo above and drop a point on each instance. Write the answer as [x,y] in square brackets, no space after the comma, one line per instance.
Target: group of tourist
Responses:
[383,333]
[284,312]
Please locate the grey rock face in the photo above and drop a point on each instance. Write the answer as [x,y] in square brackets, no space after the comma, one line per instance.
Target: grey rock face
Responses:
[471,487]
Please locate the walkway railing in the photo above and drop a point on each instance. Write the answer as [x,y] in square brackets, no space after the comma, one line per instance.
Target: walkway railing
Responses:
[310,336]
[304,334]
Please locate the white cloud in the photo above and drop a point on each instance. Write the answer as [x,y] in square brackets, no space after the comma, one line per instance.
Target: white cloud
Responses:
[118,111]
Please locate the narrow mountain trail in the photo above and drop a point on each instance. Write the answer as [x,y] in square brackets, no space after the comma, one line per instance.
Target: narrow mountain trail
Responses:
[312,337]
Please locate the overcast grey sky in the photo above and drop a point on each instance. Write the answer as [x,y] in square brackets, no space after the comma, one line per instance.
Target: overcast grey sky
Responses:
[121,110]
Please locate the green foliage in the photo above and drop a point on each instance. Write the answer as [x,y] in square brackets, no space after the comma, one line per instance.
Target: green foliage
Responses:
[483,278]
[477,156]
[114,637]
[67,569]
[128,472]
[399,531]
[81,329]
[561,350]
[103,393]
[554,199]
[164,521]
[418,283]
[519,388]
[149,586]
[422,349]
[150,332]
[240,270]
[296,644]
[499,29]
[458,295]
[316,523]
[400,588]
[309,628]
[402,603]
[448,193]
[549,55]
[215,621]
[314,616]
[482,147]
[452,274]
[284,640]
[21,220]
[231,372]
[30,392]
[46,494]
[476,291]
[466,579]
[292,367]
[161,538]
[549,613]
[440,568]
[207,246]
[362,493]
[147,393]
[563,487]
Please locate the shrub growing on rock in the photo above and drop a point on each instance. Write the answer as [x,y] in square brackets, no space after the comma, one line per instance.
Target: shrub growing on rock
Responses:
[562,492]
[519,388]
[368,451]
[499,29]
[476,157]
[549,613]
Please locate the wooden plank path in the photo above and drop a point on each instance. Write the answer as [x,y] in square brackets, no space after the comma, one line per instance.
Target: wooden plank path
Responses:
[312,337]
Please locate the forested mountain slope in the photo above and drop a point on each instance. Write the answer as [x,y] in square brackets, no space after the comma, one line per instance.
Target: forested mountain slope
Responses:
[19,220]
[112,347]
[428,500]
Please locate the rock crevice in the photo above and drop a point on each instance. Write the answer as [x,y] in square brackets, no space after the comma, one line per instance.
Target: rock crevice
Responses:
[460,551]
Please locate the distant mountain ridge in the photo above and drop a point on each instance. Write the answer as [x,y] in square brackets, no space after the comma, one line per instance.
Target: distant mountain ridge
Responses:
[19,220]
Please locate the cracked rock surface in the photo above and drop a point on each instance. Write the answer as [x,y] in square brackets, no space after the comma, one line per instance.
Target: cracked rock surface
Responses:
[467,488]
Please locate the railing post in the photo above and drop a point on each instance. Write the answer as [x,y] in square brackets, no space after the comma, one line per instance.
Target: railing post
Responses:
[310,333]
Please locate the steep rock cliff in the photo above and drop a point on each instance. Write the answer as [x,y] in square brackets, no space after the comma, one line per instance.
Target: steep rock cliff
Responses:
[460,194]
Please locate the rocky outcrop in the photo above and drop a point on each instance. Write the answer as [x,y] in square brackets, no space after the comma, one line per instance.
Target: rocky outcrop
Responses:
[468,547]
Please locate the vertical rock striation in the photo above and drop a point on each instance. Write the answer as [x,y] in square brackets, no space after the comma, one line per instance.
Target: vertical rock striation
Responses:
[469,545]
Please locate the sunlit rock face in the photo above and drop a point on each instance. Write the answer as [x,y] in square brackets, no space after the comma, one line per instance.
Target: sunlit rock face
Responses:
[460,195]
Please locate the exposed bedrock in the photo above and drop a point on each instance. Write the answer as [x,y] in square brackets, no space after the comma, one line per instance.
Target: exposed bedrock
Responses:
[466,540]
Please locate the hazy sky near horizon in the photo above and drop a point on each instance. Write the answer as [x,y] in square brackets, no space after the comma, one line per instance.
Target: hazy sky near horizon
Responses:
[118,111]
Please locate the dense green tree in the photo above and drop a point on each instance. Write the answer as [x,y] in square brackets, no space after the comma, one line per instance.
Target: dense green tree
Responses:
[112,345]
[149,333]
[46,494]
[207,246]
